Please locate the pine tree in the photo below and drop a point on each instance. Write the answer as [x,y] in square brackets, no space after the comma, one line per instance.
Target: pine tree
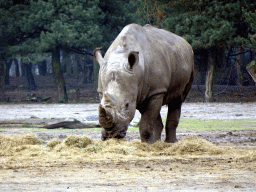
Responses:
[250,15]
[213,25]
[60,25]
[72,26]
[10,34]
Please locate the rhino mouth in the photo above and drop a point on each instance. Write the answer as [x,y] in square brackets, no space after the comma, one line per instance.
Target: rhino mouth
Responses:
[109,119]
[118,133]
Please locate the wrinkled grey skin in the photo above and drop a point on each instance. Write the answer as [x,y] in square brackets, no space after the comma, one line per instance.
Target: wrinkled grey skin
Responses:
[143,69]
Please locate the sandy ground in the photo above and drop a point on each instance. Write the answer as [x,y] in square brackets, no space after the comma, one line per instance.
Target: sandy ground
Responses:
[199,174]
[187,173]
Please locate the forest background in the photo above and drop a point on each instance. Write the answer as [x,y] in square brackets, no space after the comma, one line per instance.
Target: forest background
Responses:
[55,39]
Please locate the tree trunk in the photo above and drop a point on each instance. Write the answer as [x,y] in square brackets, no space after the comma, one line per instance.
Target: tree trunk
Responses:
[58,76]
[17,69]
[30,76]
[2,78]
[239,64]
[7,71]
[75,65]
[23,69]
[68,62]
[42,66]
[209,76]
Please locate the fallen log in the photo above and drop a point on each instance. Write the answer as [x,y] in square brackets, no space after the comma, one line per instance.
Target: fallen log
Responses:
[71,125]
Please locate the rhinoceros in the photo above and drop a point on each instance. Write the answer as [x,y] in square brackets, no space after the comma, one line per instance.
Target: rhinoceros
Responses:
[144,68]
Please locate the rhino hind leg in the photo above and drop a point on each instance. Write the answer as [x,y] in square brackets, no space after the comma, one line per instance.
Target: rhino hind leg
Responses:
[172,122]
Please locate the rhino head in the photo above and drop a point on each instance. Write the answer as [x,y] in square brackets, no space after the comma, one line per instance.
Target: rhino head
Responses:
[118,92]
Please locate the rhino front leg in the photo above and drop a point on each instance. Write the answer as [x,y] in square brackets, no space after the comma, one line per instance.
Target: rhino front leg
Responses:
[151,125]
[172,122]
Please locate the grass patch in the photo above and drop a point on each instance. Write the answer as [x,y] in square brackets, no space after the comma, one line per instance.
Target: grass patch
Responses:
[212,124]
[216,124]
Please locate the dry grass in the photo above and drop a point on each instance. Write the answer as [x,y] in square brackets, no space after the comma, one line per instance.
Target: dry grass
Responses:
[22,149]
[9,141]
[10,144]
[195,146]
[76,141]
[53,142]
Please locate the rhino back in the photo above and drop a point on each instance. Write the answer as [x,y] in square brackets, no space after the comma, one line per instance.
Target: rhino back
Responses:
[169,64]
[166,60]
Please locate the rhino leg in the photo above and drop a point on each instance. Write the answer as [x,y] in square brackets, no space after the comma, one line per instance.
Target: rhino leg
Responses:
[151,125]
[172,122]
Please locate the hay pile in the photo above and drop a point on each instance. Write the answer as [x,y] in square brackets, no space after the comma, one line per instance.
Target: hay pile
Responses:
[195,146]
[74,148]
[10,144]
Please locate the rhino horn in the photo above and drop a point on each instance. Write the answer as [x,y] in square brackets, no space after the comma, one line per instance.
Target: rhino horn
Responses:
[98,56]
[106,119]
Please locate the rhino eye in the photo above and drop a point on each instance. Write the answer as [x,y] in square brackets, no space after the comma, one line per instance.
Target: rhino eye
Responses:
[126,106]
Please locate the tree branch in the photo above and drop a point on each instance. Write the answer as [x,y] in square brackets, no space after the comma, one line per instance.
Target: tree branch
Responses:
[239,53]
[81,51]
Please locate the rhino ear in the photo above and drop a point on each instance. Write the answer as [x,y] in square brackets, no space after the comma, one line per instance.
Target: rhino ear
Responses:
[98,56]
[133,59]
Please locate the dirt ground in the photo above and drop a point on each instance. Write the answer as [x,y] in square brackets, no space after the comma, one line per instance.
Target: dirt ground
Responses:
[189,172]
[122,167]
[186,174]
